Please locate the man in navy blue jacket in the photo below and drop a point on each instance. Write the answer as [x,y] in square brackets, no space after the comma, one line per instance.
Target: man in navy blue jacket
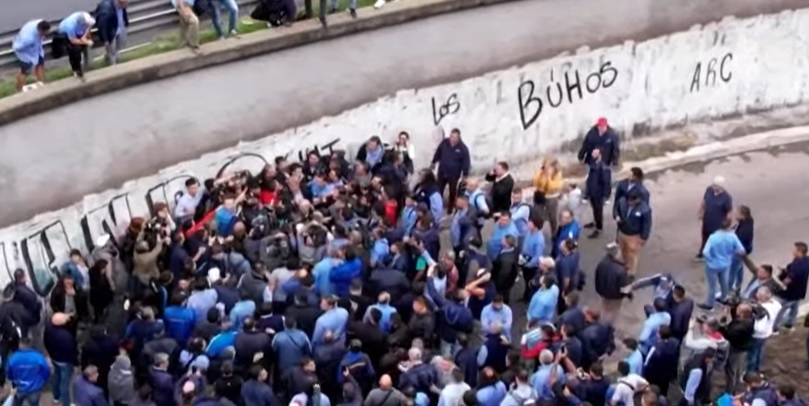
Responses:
[634,228]
[452,157]
[599,186]
[795,277]
[601,136]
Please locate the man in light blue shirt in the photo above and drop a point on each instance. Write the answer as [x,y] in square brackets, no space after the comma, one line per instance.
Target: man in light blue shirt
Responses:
[496,315]
[503,227]
[334,320]
[660,317]
[635,357]
[520,212]
[533,246]
[28,49]
[720,249]
[73,37]
[543,304]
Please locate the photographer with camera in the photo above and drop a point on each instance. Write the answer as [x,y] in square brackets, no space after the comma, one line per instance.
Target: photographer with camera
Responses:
[766,311]
[739,334]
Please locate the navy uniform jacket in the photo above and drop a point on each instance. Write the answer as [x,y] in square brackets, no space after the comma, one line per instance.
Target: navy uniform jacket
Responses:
[622,190]
[599,181]
[635,220]
[609,144]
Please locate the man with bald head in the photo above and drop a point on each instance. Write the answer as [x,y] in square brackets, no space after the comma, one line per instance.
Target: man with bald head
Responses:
[385,394]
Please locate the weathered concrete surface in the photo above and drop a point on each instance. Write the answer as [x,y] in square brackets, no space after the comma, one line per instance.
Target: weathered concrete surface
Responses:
[260,43]
[109,139]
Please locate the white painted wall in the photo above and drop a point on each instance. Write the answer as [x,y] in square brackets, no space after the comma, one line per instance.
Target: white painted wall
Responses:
[739,65]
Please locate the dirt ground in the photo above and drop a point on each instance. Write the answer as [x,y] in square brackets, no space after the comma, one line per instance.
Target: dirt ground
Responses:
[785,360]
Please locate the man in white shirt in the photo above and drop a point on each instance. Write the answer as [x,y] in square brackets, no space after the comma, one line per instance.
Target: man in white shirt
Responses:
[627,386]
[763,328]
[188,202]
[452,394]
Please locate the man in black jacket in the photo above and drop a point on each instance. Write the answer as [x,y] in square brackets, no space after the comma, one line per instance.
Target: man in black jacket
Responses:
[452,157]
[502,187]
[111,21]
[505,268]
[601,136]
[611,283]
[739,333]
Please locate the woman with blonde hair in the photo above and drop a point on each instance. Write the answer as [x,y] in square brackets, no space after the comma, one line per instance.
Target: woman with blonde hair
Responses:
[548,183]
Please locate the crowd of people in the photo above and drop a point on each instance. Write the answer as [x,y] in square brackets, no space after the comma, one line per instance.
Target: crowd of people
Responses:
[73,36]
[332,281]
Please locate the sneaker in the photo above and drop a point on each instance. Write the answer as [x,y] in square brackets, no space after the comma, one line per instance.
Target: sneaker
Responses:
[353,12]
[379,4]
[234,34]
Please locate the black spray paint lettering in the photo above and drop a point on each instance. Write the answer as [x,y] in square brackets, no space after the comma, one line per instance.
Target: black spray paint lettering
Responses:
[708,78]
[318,150]
[41,252]
[530,98]
[449,107]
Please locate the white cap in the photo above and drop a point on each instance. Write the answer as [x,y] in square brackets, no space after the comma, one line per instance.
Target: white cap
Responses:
[214,274]
[718,181]
[88,19]
[102,240]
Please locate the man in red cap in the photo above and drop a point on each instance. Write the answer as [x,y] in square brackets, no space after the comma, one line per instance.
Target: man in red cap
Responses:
[601,136]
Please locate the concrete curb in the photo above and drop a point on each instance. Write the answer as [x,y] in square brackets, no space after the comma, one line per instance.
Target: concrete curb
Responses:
[182,61]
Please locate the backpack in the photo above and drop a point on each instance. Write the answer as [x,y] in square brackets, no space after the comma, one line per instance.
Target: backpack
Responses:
[535,215]
[489,204]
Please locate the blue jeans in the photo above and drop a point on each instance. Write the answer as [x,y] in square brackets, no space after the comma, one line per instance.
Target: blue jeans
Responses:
[61,382]
[755,355]
[216,16]
[790,310]
[714,277]
[736,276]
[352,4]
[31,398]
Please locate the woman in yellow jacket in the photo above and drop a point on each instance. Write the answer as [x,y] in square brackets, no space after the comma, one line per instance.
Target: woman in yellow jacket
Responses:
[548,183]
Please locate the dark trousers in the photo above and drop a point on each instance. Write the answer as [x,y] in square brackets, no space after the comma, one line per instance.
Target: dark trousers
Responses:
[705,234]
[443,182]
[598,212]
[528,274]
[74,55]
[310,11]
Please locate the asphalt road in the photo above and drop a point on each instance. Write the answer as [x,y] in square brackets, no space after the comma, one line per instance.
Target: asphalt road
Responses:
[16,13]
[765,181]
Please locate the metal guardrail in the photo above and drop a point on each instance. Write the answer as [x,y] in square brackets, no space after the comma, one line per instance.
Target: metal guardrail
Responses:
[144,15]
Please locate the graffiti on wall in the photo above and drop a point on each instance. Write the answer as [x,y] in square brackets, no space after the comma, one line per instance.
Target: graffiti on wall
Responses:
[44,251]
[447,108]
[532,100]
[706,74]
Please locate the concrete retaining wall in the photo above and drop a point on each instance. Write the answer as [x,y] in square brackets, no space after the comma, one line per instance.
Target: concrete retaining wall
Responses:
[723,69]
